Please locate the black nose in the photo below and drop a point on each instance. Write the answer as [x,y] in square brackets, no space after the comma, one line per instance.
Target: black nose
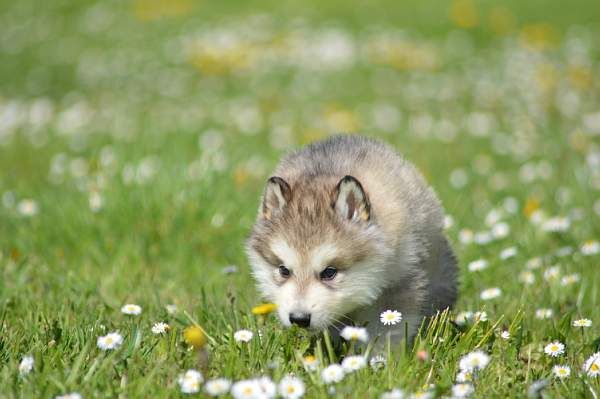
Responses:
[300,319]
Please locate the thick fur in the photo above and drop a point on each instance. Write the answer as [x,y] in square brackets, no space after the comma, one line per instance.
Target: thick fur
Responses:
[356,204]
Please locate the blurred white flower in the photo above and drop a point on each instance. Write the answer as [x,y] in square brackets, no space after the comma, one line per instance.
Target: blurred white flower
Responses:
[477,265]
[217,386]
[110,341]
[561,371]
[350,333]
[190,381]
[160,328]
[291,387]
[390,317]
[543,313]
[243,335]
[491,293]
[26,365]
[332,373]
[353,363]
[131,309]
[590,247]
[462,390]
[27,207]
[474,361]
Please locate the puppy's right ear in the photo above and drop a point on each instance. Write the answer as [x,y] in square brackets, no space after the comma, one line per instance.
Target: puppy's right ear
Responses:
[277,195]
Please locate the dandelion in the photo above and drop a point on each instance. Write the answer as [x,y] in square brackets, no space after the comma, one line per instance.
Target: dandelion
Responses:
[195,337]
[390,317]
[190,381]
[131,309]
[264,309]
[160,328]
[350,333]
[291,387]
[217,386]
[554,349]
[505,335]
[543,313]
[243,335]
[26,365]
[462,390]
[490,293]
[353,363]
[393,394]
[332,373]
[592,365]
[377,362]
[590,248]
[72,395]
[570,279]
[476,360]
[561,371]
[582,323]
[508,253]
[477,265]
[110,341]
[310,362]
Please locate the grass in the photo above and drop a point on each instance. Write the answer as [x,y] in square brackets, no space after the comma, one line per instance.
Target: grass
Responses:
[145,154]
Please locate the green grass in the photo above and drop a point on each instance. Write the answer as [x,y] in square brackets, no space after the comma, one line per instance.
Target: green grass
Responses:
[128,111]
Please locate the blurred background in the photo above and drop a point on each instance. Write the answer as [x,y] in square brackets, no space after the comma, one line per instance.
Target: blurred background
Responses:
[140,132]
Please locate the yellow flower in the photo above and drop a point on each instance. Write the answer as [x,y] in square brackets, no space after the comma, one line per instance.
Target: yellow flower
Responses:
[195,336]
[264,308]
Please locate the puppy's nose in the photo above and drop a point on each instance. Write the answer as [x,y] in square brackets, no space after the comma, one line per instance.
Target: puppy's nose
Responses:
[300,319]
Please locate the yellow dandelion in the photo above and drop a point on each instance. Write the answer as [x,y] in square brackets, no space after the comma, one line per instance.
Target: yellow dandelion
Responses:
[264,309]
[195,336]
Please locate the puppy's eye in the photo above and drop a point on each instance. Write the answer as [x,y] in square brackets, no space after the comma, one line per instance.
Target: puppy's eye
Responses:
[328,273]
[284,271]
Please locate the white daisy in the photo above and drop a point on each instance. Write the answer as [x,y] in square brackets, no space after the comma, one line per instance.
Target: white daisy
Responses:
[171,308]
[463,318]
[110,341]
[462,390]
[217,386]
[552,273]
[527,277]
[190,381]
[505,335]
[464,376]
[160,328]
[483,237]
[353,363]
[246,389]
[543,313]
[393,394]
[490,293]
[291,387]
[557,224]
[554,349]
[592,365]
[377,362]
[350,333]
[332,373]
[534,263]
[500,230]
[570,279]
[72,395]
[390,317]
[243,335]
[267,387]
[561,371]
[582,323]
[476,360]
[26,365]
[590,248]
[422,395]
[465,236]
[131,309]
[27,207]
[508,253]
[477,265]
[480,316]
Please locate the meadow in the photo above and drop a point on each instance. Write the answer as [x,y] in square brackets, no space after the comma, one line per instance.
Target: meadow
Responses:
[135,140]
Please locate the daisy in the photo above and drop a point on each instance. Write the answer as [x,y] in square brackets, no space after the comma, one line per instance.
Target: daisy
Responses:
[72,395]
[333,373]
[377,362]
[543,313]
[350,333]
[171,308]
[552,273]
[110,341]
[508,253]
[534,263]
[353,363]
[582,323]
[554,349]
[477,265]
[464,376]
[390,317]
[462,390]
[291,387]
[190,381]
[561,371]
[243,335]
[491,293]
[592,365]
[590,248]
[393,394]
[482,237]
[556,225]
[246,389]
[463,318]
[160,328]
[421,395]
[217,386]
[268,389]
[27,207]
[527,277]
[26,365]
[480,316]
[500,230]
[505,335]
[465,236]
[570,279]
[131,309]
[476,360]
[310,362]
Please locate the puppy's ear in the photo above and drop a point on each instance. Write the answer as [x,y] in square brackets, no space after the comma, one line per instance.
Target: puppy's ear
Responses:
[276,196]
[350,200]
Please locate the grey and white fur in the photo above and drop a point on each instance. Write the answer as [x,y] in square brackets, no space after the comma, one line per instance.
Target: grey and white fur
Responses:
[346,229]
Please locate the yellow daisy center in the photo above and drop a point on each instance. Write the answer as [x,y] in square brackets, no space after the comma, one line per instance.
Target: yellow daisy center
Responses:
[595,367]
[291,389]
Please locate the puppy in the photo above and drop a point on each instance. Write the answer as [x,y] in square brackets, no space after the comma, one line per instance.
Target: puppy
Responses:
[347,229]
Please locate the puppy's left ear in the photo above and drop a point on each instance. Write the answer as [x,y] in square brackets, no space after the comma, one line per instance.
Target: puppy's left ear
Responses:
[276,196]
[350,200]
